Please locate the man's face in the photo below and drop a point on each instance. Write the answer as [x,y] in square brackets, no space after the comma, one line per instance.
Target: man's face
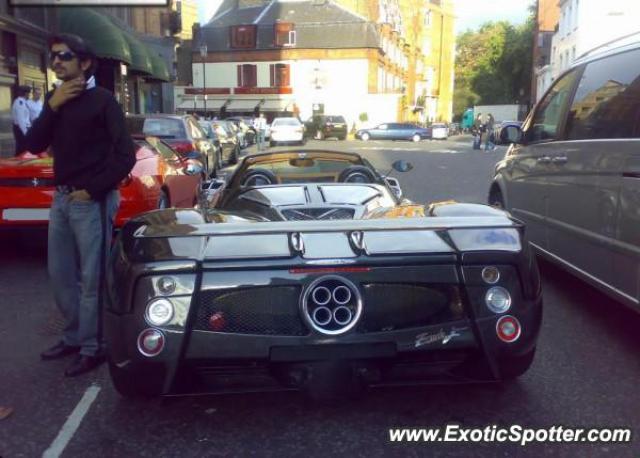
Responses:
[65,63]
[36,94]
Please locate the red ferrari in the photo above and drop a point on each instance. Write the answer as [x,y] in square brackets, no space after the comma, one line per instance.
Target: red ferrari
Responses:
[160,179]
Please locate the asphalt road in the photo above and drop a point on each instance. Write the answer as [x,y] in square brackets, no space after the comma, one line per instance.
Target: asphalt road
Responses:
[585,374]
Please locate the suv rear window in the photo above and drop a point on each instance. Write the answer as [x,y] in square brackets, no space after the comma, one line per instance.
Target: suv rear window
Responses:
[336,119]
[164,127]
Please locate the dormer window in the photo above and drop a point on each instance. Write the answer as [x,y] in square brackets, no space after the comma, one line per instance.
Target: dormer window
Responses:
[284,34]
[243,36]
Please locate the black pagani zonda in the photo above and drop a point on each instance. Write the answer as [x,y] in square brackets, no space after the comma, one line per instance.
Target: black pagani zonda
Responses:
[307,270]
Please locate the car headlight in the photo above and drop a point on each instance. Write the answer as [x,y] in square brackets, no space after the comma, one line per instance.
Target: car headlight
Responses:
[159,312]
[498,299]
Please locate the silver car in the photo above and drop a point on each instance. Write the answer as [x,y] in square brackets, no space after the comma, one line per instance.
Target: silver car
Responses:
[572,172]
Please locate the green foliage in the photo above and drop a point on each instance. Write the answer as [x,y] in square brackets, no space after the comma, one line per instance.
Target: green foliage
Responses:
[364,117]
[494,65]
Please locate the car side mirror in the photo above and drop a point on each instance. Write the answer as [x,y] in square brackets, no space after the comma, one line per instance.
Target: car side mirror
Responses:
[394,184]
[510,134]
[402,166]
[193,167]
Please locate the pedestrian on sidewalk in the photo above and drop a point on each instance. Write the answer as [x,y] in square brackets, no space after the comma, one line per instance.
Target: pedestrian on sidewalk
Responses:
[85,129]
[260,125]
[478,127]
[489,140]
[35,105]
[21,118]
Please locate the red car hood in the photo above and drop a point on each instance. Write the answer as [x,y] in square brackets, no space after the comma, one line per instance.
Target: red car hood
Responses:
[26,168]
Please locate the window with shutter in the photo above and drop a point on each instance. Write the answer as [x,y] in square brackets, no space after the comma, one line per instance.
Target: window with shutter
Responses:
[284,34]
[243,36]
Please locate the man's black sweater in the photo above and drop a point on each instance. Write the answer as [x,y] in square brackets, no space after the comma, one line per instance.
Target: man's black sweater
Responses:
[91,147]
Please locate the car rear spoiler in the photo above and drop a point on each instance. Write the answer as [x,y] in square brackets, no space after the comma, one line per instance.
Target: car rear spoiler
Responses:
[279,227]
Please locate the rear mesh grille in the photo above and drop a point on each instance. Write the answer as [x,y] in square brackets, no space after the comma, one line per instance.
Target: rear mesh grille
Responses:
[269,310]
[392,306]
[303,214]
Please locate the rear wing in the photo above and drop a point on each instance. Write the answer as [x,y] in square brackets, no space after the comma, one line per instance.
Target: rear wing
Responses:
[333,239]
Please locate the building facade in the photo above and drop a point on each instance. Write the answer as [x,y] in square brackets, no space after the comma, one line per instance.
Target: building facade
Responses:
[23,59]
[582,26]
[350,58]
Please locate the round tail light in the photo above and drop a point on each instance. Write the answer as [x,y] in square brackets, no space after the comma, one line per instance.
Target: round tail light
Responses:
[217,321]
[508,328]
[151,342]
[498,299]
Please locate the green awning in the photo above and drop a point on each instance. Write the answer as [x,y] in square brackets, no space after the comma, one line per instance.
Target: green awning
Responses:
[106,39]
[160,70]
[140,58]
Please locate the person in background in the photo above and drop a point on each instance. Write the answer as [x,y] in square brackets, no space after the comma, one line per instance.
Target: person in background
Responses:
[85,128]
[489,145]
[35,104]
[21,118]
[477,131]
[260,124]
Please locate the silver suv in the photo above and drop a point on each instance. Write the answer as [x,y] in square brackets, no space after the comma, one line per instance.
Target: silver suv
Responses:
[572,172]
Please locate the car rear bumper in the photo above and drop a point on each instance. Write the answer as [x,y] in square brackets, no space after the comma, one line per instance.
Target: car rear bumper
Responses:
[465,350]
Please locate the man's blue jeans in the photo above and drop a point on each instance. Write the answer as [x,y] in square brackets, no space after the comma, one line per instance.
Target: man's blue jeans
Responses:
[79,240]
[260,141]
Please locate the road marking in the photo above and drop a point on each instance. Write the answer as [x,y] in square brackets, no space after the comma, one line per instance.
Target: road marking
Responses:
[72,424]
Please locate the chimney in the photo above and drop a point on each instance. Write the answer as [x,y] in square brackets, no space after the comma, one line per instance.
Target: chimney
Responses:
[251,3]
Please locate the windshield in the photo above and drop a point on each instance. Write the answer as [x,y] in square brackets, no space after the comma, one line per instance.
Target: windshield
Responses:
[301,168]
[164,127]
[285,122]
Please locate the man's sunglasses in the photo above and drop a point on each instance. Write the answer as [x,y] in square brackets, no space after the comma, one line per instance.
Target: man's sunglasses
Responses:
[64,56]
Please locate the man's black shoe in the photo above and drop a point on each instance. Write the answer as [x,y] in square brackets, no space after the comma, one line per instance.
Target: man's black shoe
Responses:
[83,364]
[59,350]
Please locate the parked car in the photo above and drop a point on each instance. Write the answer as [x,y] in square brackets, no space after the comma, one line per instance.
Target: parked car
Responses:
[246,127]
[309,273]
[394,131]
[286,130]
[326,126]
[224,139]
[161,178]
[439,131]
[181,132]
[454,128]
[235,131]
[572,172]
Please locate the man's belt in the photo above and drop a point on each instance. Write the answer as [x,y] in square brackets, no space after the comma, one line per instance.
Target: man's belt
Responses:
[66,189]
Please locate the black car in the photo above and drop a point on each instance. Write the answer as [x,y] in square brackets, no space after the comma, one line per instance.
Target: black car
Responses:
[307,271]
[395,131]
[326,126]
[181,132]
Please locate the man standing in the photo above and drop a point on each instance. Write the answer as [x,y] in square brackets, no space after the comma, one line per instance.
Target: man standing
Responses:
[35,105]
[260,124]
[85,128]
[21,118]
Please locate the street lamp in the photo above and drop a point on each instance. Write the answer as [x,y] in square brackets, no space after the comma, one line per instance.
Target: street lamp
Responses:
[203,54]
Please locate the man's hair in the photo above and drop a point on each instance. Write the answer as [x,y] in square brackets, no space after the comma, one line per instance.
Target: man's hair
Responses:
[23,91]
[78,46]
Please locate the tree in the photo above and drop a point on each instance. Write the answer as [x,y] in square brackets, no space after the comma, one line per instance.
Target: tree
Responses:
[494,65]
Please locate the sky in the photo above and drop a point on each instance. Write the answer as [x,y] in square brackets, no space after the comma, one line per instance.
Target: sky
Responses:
[469,13]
